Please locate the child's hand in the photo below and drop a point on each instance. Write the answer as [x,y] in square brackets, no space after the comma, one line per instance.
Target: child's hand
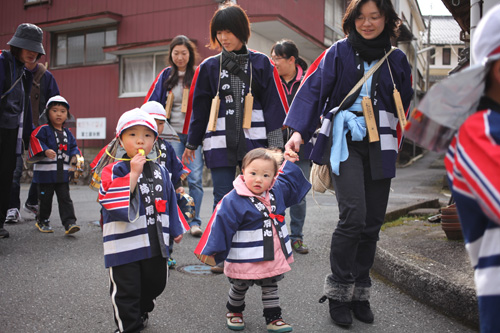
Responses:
[50,154]
[291,156]
[178,239]
[180,190]
[137,164]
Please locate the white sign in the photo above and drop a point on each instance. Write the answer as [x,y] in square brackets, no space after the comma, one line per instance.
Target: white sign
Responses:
[91,128]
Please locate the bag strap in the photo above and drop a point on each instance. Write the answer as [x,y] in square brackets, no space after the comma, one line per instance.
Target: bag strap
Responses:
[366,76]
[13,85]
[41,69]
[36,92]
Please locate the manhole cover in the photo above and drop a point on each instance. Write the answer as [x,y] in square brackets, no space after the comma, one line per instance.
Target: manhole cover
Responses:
[195,269]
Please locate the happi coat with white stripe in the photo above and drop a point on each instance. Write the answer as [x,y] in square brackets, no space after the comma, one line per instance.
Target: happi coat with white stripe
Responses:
[125,231]
[473,167]
[269,107]
[329,79]
[45,169]
[235,231]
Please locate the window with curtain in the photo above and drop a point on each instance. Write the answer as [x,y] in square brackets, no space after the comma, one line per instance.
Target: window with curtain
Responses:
[138,72]
[83,47]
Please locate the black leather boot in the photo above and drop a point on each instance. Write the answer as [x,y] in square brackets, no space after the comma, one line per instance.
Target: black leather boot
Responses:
[362,311]
[340,312]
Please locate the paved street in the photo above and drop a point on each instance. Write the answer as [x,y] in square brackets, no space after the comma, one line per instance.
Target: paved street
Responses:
[57,283]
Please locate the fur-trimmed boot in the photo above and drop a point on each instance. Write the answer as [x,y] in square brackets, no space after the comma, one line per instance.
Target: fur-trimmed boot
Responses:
[339,297]
[361,305]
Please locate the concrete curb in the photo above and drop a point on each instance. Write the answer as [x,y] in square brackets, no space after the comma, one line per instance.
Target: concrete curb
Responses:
[449,297]
[399,212]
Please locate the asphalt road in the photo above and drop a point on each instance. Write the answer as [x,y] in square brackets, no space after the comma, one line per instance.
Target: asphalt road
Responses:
[58,283]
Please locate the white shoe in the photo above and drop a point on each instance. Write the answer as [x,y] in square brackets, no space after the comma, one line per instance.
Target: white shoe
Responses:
[196,231]
[13,215]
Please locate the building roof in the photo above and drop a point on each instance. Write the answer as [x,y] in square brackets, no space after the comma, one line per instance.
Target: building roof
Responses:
[444,30]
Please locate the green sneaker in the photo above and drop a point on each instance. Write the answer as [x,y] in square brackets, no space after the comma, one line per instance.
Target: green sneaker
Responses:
[300,247]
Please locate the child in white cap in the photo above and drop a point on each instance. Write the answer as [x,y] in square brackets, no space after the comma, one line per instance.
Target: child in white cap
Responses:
[139,215]
[473,164]
[167,157]
[51,148]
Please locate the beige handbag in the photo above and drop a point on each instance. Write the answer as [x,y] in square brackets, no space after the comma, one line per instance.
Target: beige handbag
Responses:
[321,178]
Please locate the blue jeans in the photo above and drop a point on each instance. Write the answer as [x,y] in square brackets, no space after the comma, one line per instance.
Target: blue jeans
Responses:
[222,179]
[195,180]
[298,211]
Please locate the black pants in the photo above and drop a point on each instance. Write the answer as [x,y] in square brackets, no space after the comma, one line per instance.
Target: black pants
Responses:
[32,195]
[133,289]
[66,209]
[362,204]
[8,142]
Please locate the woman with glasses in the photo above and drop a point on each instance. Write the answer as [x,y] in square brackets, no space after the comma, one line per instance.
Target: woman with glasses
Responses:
[362,165]
[291,69]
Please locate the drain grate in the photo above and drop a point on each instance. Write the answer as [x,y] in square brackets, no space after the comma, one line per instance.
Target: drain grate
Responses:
[195,269]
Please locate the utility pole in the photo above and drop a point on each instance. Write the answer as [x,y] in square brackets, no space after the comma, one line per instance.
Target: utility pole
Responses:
[428,55]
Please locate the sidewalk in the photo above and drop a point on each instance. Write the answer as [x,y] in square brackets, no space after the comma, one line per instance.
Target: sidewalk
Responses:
[416,256]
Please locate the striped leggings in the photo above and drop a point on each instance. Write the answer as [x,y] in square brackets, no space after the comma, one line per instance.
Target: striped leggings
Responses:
[270,300]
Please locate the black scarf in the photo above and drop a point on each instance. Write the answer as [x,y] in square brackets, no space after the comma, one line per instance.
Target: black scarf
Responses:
[370,49]
[233,92]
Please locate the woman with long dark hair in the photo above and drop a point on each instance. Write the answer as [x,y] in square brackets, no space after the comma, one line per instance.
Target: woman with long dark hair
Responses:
[361,165]
[171,89]
[292,68]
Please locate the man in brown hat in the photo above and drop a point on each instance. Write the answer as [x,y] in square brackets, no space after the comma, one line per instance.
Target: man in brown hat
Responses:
[15,109]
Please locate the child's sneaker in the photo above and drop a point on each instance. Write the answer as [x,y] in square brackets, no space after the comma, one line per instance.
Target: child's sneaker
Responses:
[171,263]
[71,229]
[235,321]
[44,226]
[279,326]
[13,216]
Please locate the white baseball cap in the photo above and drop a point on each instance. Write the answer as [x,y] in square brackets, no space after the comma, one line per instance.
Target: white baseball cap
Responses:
[136,117]
[486,39]
[155,109]
[57,99]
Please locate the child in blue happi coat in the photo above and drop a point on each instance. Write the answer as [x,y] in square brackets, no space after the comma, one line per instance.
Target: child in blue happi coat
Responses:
[51,148]
[248,231]
[139,214]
